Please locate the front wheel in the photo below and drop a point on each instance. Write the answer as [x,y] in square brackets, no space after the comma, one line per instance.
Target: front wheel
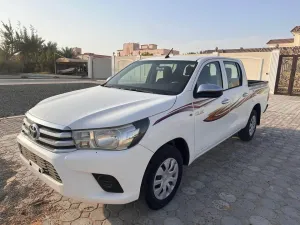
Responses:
[163,177]
[248,132]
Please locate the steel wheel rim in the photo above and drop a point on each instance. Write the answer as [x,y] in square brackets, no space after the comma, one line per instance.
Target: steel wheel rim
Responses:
[165,178]
[252,125]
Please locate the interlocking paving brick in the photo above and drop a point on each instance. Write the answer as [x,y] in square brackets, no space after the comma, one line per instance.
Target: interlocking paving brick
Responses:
[70,215]
[220,205]
[172,221]
[115,209]
[291,212]
[197,184]
[87,207]
[82,221]
[227,197]
[189,190]
[62,205]
[173,205]
[258,220]
[112,221]
[99,214]
[236,183]
[128,215]
[229,220]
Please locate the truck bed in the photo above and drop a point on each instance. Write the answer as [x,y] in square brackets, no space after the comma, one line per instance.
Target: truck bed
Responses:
[252,83]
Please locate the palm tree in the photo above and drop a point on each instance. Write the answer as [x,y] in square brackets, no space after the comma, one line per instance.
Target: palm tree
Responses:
[29,49]
[9,45]
[48,56]
[30,46]
[67,52]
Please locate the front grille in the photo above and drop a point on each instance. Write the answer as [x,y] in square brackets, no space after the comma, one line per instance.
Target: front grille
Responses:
[46,167]
[50,138]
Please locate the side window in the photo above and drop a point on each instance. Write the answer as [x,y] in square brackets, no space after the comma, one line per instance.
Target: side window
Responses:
[210,74]
[233,73]
[137,75]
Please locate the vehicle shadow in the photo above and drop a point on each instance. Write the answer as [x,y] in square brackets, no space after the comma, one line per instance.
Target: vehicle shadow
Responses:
[232,179]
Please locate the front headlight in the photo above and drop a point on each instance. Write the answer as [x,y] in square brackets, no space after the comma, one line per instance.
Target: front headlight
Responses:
[116,138]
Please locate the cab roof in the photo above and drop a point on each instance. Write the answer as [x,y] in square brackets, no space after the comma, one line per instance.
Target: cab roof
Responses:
[185,58]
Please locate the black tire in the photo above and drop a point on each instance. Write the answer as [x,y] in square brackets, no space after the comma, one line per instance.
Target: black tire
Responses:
[163,154]
[245,134]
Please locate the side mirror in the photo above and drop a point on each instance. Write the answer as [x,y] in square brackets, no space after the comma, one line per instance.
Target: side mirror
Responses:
[209,91]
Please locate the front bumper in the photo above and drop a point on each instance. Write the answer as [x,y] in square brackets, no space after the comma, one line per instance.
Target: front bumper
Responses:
[76,168]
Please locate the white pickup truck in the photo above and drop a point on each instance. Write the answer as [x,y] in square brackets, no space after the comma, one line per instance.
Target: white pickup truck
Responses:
[135,132]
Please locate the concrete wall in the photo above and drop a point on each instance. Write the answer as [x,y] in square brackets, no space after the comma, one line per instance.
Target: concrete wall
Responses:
[101,68]
[273,69]
[296,39]
[252,63]
[281,45]
[121,62]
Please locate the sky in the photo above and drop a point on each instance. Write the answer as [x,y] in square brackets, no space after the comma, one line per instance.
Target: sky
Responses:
[102,27]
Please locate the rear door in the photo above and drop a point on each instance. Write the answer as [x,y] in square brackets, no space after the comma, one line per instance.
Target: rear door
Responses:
[237,92]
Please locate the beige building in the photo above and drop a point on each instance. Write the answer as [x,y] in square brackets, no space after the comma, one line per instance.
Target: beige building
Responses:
[76,51]
[287,42]
[134,49]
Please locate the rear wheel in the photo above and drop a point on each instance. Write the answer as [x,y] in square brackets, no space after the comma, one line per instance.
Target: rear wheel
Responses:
[163,177]
[248,132]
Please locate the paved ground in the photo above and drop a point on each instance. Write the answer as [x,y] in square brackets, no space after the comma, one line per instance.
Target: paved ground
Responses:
[236,183]
[43,81]
[38,76]
[17,99]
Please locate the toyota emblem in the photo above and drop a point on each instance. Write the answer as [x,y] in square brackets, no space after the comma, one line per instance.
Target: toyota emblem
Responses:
[34,131]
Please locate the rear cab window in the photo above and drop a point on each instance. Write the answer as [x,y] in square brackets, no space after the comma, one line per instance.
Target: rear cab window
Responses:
[233,74]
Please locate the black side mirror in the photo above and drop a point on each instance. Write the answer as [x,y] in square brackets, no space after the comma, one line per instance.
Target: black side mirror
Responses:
[209,91]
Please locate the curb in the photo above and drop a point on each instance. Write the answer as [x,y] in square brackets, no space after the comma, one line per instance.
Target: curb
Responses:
[11,117]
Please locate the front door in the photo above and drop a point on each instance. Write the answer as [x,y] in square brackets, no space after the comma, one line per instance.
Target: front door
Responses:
[288,75]
[211,124]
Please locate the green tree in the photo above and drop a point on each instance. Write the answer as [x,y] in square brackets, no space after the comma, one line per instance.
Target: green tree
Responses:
[9,43]
[67,52]
[146,54]
[29,49]
[30,46]
[47,57]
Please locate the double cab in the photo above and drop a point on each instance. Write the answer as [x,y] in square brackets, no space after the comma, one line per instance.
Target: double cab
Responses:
[135,132]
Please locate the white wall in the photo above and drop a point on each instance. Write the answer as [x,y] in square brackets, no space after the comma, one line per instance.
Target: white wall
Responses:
[101,68]
[273,70]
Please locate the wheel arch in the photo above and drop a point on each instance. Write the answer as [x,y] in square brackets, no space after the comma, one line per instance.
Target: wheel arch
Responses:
[182,146]
[257,108]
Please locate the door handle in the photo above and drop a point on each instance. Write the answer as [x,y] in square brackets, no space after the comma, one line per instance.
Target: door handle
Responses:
[225,101]
[245,94]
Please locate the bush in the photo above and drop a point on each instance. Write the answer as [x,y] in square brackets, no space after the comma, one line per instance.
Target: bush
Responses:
[9,66]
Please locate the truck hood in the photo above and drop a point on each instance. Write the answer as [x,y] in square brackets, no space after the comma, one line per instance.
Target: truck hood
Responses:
[99,107]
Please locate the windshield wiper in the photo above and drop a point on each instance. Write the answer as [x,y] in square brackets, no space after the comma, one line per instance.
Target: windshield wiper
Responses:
[129,89]
[138,90]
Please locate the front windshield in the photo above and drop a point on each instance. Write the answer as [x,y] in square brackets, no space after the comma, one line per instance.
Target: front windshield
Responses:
[167,77]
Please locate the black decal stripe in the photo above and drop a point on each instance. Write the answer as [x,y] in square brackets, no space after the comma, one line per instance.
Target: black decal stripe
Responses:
[223,111]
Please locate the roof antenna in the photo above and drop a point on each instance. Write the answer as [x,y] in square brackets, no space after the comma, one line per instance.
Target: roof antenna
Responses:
[168,55]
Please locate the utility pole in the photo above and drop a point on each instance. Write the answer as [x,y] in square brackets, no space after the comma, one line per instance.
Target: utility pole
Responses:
[54,64]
